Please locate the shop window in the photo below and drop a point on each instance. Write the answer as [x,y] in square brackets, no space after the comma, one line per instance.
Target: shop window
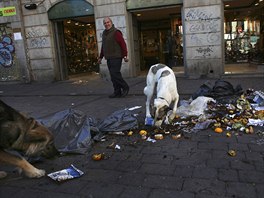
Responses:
[177,38]
[242,41]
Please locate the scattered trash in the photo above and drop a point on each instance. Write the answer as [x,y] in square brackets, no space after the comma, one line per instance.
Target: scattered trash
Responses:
[249,130]
[255,122]
[218,130]
[202,125]
[221,90]
[150,140]
[97,156]
[228,134]
[66,174]
[134,108]
[78,82]
[112,145]
[176,137]
[220,109]
[143,132]
[143,137]
[232,153]
[75,132]
[72,131]
[259,98]
[196,108]
[117,133]
[121,120]
[149,121]
[158,136]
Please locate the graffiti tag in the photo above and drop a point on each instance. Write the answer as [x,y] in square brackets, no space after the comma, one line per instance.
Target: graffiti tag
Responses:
[6,50]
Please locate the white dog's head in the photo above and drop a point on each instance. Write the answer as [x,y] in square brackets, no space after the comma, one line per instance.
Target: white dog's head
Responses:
[161,109]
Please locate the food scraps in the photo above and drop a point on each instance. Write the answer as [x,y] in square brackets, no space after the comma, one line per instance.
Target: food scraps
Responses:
[218,130]
[232,153]
[143,132]
[158,136]
[97,156]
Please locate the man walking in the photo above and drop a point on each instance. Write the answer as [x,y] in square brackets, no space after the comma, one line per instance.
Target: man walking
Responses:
[114,49]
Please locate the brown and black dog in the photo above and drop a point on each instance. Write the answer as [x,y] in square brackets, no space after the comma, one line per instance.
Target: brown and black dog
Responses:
[26,136]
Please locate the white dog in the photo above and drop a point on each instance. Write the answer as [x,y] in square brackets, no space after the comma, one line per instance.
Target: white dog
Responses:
[163,78]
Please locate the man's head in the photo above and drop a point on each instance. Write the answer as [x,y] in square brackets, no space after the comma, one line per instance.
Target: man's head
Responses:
[108,23]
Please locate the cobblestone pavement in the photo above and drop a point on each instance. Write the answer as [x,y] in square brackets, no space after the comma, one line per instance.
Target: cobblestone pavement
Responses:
[196,165]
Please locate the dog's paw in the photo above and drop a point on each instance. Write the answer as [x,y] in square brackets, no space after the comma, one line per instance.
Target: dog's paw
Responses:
[3,174]
[35,173]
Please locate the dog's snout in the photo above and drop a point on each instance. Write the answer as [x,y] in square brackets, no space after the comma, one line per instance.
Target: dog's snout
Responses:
[50,151]
[158,123]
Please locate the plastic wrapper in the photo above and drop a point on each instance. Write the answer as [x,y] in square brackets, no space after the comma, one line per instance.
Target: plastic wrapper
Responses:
[149,121]
[196,107]
[66,174]
[259,98]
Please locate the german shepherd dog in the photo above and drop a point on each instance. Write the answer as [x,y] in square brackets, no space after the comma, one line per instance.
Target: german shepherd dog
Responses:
[26,136]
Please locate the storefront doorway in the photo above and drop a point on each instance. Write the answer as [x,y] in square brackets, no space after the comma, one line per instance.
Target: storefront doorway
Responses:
[80,46]
[75,38]
[161,43]
[160,35]
[244,37]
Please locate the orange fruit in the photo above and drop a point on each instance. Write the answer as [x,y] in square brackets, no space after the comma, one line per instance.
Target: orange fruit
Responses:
[143,132]
[218,130]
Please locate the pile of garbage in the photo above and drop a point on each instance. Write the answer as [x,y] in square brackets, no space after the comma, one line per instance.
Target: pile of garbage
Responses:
[219,107]
[242,113]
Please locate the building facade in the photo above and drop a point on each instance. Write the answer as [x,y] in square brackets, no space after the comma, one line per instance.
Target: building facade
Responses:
[47,40]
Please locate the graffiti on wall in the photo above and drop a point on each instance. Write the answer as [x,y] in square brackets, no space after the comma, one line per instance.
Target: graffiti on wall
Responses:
[202,13]
[37,37]
[204,52]
[34,32]
[7,48]
[38,42]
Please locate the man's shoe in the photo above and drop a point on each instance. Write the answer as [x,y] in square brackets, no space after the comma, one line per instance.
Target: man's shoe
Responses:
[115,95]
[125,92]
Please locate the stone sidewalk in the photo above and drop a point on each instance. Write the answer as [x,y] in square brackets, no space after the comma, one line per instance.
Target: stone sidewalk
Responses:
[193,166]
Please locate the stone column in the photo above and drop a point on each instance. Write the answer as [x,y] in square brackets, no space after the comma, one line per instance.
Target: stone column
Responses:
[203,38]
[116,10]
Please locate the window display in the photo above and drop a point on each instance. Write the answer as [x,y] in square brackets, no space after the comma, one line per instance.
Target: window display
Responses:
[243,41]
[81,47]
